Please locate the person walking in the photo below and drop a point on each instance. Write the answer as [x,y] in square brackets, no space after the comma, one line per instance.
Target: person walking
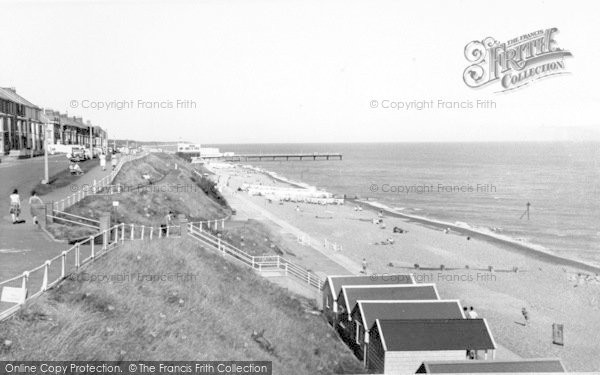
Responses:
[113,161]
[364,265]
[103,161]
[35,205]
[168,221]
[473,314]
[15,207]
[525,314]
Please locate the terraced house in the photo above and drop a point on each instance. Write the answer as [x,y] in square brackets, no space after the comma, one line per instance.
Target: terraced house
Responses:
[21,126]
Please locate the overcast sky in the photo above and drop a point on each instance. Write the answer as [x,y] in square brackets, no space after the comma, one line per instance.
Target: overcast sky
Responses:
[297,71]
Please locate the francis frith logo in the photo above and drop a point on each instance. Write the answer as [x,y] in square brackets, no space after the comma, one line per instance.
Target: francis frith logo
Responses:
[514,63]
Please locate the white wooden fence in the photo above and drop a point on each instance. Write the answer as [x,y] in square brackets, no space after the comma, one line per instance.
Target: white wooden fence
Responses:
[270,264]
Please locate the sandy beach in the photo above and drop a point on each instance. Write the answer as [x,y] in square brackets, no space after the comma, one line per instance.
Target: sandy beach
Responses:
[335,238]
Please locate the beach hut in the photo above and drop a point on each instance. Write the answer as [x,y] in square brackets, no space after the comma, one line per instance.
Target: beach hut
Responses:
[401,346]
[535,365]
[351,294]
[365,313]
[333,285]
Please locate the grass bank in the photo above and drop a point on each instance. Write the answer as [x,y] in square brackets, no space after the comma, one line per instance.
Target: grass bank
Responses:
[208,312]
[152,186]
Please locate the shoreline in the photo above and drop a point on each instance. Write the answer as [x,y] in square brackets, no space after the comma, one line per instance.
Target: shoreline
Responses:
[508,244]
[532,250]
[553,293]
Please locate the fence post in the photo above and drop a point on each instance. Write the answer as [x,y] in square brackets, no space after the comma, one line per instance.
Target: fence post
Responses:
[122,232]
[24,283]
[104,240]
[252,262]
[160,230]
[143,232]
[216,225]
[223,224]
[308,278]
[168,228]
[286,269]
[63,265]
[151,232]
[45,279]
[278,265]
[116,234]
[201,227]
[77,255]
[132,230]
[93,255]
[219,244]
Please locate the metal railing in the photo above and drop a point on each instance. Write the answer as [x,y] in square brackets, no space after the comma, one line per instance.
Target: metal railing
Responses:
[262,264]
[31,284]
[66,217]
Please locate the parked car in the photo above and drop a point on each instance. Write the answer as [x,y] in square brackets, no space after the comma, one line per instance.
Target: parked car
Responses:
[77,154]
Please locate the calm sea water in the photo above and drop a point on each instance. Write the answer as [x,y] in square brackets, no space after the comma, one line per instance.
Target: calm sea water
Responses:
[485,185]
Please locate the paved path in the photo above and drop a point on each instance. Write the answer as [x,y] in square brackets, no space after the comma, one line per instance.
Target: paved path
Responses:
[25,246]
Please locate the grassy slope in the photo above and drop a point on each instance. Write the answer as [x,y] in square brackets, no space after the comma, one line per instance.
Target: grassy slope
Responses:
[171,190]
[209,317]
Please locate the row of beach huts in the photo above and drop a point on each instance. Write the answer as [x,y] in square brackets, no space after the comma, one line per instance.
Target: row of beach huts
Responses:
[396,326]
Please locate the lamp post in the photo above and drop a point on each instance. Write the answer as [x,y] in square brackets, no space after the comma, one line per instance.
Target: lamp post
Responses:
[91,142]
[45,144]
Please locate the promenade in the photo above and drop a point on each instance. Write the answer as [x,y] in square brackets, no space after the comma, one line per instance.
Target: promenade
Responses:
[24,246]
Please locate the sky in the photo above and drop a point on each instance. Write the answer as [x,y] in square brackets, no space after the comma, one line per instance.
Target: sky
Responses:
[257,71]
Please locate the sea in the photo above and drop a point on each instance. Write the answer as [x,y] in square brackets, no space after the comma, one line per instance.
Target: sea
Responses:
[542,195]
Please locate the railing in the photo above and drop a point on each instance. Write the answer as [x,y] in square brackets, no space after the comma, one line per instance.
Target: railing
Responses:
[67,217]
[34,282]
[258,263]
[107,180]
[208,224]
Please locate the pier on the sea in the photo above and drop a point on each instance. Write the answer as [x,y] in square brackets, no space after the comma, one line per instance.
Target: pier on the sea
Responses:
[284,156]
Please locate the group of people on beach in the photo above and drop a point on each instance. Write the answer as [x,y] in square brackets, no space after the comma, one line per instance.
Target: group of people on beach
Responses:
[35,205]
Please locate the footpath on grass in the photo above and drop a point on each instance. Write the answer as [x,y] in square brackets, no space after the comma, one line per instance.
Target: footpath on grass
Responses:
[25,246]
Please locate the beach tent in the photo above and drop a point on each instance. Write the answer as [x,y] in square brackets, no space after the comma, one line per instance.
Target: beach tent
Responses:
[365,313]
[333,286]
[535,365]
[350,294]
[402,346]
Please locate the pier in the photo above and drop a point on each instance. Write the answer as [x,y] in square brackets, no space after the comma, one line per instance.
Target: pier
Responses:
[286,157]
